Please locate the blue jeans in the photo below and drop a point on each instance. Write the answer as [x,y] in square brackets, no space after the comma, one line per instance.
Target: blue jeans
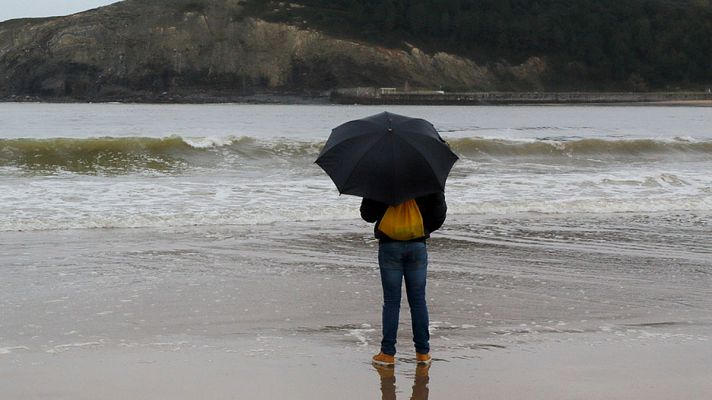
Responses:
[409,260]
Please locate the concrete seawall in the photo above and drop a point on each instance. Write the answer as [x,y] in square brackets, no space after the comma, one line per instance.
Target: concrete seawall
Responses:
[364,96]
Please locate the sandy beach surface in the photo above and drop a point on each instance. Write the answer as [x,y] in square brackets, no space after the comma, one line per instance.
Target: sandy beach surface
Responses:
[529,306]
[584,368]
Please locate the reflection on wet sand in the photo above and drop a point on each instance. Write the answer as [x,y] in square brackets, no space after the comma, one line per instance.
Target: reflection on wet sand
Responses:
[388,382]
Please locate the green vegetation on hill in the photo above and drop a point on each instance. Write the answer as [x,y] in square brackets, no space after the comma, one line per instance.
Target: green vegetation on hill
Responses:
[601,44]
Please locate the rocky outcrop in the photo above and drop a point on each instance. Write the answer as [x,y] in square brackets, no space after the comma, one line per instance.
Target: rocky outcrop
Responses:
[146,49]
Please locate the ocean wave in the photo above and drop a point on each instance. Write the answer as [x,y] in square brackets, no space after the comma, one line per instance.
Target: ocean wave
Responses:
[619,148]
[176,153]
[132,154]
[94,154]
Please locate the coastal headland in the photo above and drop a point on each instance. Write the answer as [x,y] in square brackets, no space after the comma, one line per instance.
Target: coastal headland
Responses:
[215,51]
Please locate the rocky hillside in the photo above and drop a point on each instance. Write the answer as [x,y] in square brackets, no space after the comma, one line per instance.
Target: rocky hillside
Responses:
[214,49]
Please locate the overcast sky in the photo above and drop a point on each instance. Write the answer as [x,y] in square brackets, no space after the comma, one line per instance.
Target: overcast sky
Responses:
[10,9]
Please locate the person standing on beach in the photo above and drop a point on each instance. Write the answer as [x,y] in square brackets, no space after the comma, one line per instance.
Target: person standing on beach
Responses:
[402,231]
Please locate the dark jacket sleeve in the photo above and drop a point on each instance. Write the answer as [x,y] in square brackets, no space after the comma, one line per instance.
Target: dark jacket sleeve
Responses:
[433,210]
[372,210]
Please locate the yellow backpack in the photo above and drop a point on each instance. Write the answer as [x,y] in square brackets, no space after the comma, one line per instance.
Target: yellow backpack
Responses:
[403,222]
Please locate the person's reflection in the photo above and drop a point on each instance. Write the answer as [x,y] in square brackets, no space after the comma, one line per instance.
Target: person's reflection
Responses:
[420,386]
[388,382]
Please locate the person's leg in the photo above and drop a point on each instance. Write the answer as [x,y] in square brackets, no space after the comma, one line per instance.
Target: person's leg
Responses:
[415,272]
[390,262]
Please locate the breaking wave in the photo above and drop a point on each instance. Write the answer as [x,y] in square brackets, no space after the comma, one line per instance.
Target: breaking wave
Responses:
[92,155]
[474,147]
[175,153]
[133,154]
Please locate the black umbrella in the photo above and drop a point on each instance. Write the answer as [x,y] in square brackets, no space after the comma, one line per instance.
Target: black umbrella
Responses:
[387,157]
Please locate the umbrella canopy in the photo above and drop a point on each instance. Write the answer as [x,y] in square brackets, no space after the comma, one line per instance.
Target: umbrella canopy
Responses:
[387,157]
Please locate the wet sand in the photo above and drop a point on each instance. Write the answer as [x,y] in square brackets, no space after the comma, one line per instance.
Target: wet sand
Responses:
[585,307]
[591,367]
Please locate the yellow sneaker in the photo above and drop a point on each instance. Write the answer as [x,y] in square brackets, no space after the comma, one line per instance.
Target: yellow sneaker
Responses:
[384,359]
[424,359]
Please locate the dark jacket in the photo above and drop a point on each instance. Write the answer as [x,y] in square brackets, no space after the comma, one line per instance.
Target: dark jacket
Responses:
[432,208]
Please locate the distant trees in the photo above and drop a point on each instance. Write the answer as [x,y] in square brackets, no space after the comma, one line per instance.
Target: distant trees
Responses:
[641,43]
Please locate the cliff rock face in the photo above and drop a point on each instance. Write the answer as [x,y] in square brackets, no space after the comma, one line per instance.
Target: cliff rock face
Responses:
[158,47]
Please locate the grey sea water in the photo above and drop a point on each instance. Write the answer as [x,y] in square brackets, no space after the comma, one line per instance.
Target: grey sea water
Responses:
[67,166]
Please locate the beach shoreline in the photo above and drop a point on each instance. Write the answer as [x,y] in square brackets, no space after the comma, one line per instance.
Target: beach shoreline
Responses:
[521,305]
[449,99]
[393,96]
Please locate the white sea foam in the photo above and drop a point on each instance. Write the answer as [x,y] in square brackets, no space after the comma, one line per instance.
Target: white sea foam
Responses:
[78,202]
[66,347]
[11,349]
[361,335]
[208,142]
